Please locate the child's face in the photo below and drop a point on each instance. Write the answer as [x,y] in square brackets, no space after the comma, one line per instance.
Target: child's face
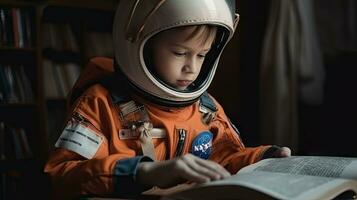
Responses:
[177,59]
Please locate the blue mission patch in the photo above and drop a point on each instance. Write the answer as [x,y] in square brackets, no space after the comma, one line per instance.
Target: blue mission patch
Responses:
[202,145]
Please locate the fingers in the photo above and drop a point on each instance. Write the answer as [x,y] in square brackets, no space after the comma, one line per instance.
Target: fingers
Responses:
[198,170]
[215,167]
[285,152]
[282,152]
[182,169]
[188,173]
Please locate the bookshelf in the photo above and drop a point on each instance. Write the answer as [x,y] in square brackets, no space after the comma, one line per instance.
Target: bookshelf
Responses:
[69,40]
[21,98]
[30,51]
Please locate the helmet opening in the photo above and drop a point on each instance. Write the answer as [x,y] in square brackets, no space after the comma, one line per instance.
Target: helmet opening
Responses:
[222,35]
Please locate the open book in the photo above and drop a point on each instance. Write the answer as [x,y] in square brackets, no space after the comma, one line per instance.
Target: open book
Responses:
[295,178]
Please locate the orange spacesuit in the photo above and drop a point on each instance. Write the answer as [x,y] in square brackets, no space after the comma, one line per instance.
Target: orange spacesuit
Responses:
[102,158]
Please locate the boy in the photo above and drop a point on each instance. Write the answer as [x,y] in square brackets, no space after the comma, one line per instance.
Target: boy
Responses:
[145,119]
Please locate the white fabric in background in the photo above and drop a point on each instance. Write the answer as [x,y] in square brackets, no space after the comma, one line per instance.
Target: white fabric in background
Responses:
[291,69]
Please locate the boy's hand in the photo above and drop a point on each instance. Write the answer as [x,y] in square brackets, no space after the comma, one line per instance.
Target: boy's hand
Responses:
[169,173]
[277,152]
[283,152]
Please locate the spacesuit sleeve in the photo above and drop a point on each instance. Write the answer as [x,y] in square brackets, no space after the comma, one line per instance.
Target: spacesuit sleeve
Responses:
[82,163]
[228,148]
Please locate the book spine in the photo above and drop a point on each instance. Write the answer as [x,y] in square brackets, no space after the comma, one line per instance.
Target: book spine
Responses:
[24,143]
[5,27]
[15,28]
[19,85]
[3,37]
[9,80]
[27,85]
[20,28]
[3,86]
[2,141]
[17,144]
[28,28]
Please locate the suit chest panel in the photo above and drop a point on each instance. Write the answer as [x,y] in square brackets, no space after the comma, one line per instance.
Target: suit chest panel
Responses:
[180,134]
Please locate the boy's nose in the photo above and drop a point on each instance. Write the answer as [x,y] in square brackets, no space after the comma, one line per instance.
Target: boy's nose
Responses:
[191,66]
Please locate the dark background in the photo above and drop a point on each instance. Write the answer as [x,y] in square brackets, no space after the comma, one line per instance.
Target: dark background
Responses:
[326,129]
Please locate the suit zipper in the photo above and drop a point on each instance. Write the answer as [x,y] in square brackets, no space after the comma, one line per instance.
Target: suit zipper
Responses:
[182,137]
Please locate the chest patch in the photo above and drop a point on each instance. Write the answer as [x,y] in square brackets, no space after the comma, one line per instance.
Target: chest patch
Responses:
[202,145]
[125,134]
[80,139]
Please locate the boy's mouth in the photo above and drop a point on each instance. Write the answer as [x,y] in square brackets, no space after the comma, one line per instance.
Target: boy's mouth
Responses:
[183,83]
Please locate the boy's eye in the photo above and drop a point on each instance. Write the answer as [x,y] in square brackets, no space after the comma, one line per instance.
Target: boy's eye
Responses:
[179,53]
[201,55]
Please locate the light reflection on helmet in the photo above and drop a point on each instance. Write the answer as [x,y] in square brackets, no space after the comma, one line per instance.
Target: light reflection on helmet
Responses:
[137,21]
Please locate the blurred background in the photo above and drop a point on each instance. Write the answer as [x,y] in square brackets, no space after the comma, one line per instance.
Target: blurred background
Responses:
[286,77]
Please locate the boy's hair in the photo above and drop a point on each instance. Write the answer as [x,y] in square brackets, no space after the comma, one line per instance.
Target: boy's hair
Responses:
[203,32]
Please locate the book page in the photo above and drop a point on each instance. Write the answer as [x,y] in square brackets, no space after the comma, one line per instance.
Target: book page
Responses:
[293,186]
[295,177]
[341,167]
[267,185]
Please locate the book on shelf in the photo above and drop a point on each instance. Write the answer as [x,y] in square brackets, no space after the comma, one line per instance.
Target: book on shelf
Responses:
[25,145]
[7,29]
[50,38]
[16,27]
[71,72]
[14,143]
[3,28]
[15,139]
[2,141]
[28,29]
[71,43]
[49,83]
[59,37]
[26,84]
[4,87]
[15,85]
[19,86]
[98,44]
[23,86]
[293,178]
[59,78]
[8,81]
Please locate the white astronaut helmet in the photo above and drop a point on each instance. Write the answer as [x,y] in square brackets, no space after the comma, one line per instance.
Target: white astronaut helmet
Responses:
[137,21]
